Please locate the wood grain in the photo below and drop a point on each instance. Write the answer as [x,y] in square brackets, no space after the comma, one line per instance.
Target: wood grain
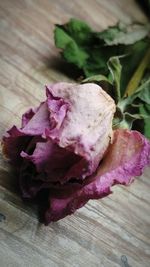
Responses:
[102,231]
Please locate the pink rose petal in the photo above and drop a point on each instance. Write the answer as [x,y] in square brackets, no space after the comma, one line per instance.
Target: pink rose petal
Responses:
[125,158]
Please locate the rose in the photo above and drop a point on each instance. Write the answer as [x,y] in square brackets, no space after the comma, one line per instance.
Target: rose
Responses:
[67,147]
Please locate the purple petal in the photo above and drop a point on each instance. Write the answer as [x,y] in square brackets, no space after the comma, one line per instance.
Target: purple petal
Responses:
[58,110]
[38,123]
[77,119]
[55,162]
[27,116]
[82,116]
[125,158]
[16,140]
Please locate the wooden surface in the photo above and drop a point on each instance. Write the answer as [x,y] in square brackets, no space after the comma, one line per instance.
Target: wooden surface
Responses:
[104,230]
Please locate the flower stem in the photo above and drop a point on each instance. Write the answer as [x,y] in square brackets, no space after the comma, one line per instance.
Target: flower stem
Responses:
[138,74]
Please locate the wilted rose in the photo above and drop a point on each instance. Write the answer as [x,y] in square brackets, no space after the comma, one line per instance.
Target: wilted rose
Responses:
[67,146]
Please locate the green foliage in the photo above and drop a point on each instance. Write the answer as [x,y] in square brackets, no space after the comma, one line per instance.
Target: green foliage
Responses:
[118,59]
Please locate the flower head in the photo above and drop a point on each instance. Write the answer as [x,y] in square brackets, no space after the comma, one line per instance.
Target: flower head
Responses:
[68,147]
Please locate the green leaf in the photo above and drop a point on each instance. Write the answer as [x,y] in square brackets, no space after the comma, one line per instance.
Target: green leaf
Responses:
[124,34]
[62,39]
[110,34]
[97,61]
[78,30]
[141,95]
[72,52]
[95,79]
[130,118]
[89,50]
[143,92]
[75,55]
[125,120]
[115,70]
[145,111]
